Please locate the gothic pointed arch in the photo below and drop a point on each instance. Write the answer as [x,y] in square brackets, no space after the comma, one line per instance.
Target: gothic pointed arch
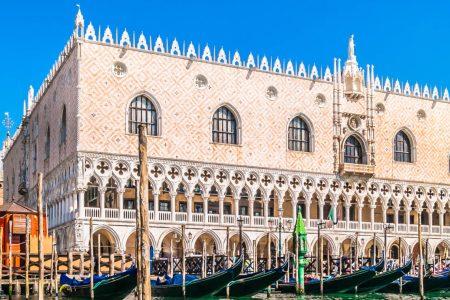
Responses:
[143,109]
[404,146]
[300,134]
[226,126]
[354,150]
[63,128]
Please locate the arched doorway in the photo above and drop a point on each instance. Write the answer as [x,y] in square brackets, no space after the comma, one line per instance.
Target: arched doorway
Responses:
[327,251]
[130,246]
[171,245]
[205,244]
[441,256]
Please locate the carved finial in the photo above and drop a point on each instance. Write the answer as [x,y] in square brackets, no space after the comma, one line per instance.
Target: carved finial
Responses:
[351,49]
[79,20]
[30,96]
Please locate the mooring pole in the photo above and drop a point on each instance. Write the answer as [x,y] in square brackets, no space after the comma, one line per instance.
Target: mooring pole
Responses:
[374,247]
[138,249]
[91,250]
[10,290]
[41,238]
[356,253]
[419,231]
[99,255]
[228,248]
[1,256]
[144,214]
[400,262]
[183,261]
[56,264]
[27,259]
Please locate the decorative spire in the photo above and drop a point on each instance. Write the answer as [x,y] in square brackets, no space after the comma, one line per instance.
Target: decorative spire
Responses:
[30,97]
[79,20]
[24,108]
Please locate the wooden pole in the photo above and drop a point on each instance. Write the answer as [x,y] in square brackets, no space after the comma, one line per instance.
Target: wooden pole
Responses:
[138,249]
[374,252]
[183,260]
[320,265]
[228,248]
[400,262]
[419,230]
[143,214]
[91,250]
[41,238]
[50,287]
[27,259]
[1,257]
[171,258]
[269,260]
[10,259]
[356,253]
[204,260]
[99,255]
[56,264]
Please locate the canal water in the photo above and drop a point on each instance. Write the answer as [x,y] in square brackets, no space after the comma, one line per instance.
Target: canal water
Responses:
[372,296]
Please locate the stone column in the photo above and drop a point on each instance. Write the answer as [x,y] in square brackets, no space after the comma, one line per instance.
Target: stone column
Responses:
[321,202]
[360,209]
[372,216]
[120,193]
[221,200]
[172,205]
[75,204]
[396,209]
[347,214]
[189,207]
[430,220]
[294,209]
[156,205]
[102,202]
[308,209]
[236,209]
[441,221]
[266,212]
[408,215]
[251,208]
[205,208]
[384,207]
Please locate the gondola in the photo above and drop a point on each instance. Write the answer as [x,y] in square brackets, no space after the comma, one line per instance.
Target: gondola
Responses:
[383,279]
[410,284]
[250,284]
[199,287]
[333,285]
[117,286]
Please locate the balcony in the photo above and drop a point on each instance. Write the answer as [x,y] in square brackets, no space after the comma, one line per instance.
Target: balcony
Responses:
[356,169]
[129,215]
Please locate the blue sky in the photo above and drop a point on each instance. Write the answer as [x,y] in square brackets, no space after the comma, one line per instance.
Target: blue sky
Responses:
[409,40]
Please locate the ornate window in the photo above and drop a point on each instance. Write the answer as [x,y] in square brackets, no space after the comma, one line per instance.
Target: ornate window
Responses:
[129,197]
[111,194]
[63,129]
[402,147]
[142,111]
[91,198]
[224,127]
[299,135]
[353,151]
[47,143]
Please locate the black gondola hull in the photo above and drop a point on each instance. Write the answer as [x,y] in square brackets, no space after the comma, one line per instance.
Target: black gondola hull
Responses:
[335,285]
[379,281]
[251,284]
[200,287]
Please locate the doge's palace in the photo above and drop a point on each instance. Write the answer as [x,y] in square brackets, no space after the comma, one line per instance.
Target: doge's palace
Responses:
[231,137]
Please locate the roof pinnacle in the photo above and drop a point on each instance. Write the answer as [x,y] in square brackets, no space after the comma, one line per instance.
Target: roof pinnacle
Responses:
[79,19]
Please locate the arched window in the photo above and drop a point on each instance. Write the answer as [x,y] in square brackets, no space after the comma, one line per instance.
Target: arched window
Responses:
[353,152]
[111,194]
[402,147]
[142,111]
[91,195]
[47,143]
[298,135]
[224,127]
[63,129]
